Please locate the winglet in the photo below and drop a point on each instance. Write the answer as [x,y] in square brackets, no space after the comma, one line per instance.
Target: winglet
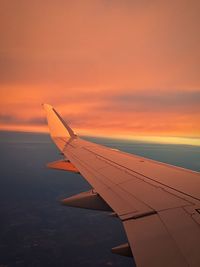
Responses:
[57,126]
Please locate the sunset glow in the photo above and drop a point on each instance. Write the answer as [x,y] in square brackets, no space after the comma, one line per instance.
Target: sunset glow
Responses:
[127,69]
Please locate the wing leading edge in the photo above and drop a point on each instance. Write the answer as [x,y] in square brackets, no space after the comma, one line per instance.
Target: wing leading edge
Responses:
[158,204]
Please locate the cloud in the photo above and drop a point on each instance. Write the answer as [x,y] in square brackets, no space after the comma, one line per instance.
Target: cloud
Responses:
[153,101]
[12,119]
[7,118]
[106,66]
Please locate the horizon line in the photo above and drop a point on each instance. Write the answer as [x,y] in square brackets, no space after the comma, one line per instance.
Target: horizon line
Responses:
[153,139]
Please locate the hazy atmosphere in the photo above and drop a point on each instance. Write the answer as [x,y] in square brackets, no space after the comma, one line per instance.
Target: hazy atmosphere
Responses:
[112,68]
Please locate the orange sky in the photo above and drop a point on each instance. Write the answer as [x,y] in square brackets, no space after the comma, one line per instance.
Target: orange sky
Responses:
[120,68]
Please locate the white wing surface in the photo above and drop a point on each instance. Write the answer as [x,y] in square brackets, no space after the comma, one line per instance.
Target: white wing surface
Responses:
[158,204]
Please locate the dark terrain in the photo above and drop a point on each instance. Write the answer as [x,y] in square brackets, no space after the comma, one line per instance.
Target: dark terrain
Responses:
[35,230]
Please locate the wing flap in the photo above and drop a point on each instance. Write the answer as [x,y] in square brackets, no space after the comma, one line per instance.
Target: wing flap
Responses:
[185,232]
[169,238]
[151,243]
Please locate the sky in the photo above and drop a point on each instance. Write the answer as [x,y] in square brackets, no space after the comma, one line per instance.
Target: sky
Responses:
[109,67]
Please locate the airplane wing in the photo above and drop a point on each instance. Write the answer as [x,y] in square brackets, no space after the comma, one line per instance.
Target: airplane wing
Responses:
[158,204]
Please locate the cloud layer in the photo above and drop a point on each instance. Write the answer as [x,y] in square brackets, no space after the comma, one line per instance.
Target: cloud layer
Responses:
[110,67]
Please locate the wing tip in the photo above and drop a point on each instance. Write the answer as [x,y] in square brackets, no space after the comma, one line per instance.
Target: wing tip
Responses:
[46,106]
